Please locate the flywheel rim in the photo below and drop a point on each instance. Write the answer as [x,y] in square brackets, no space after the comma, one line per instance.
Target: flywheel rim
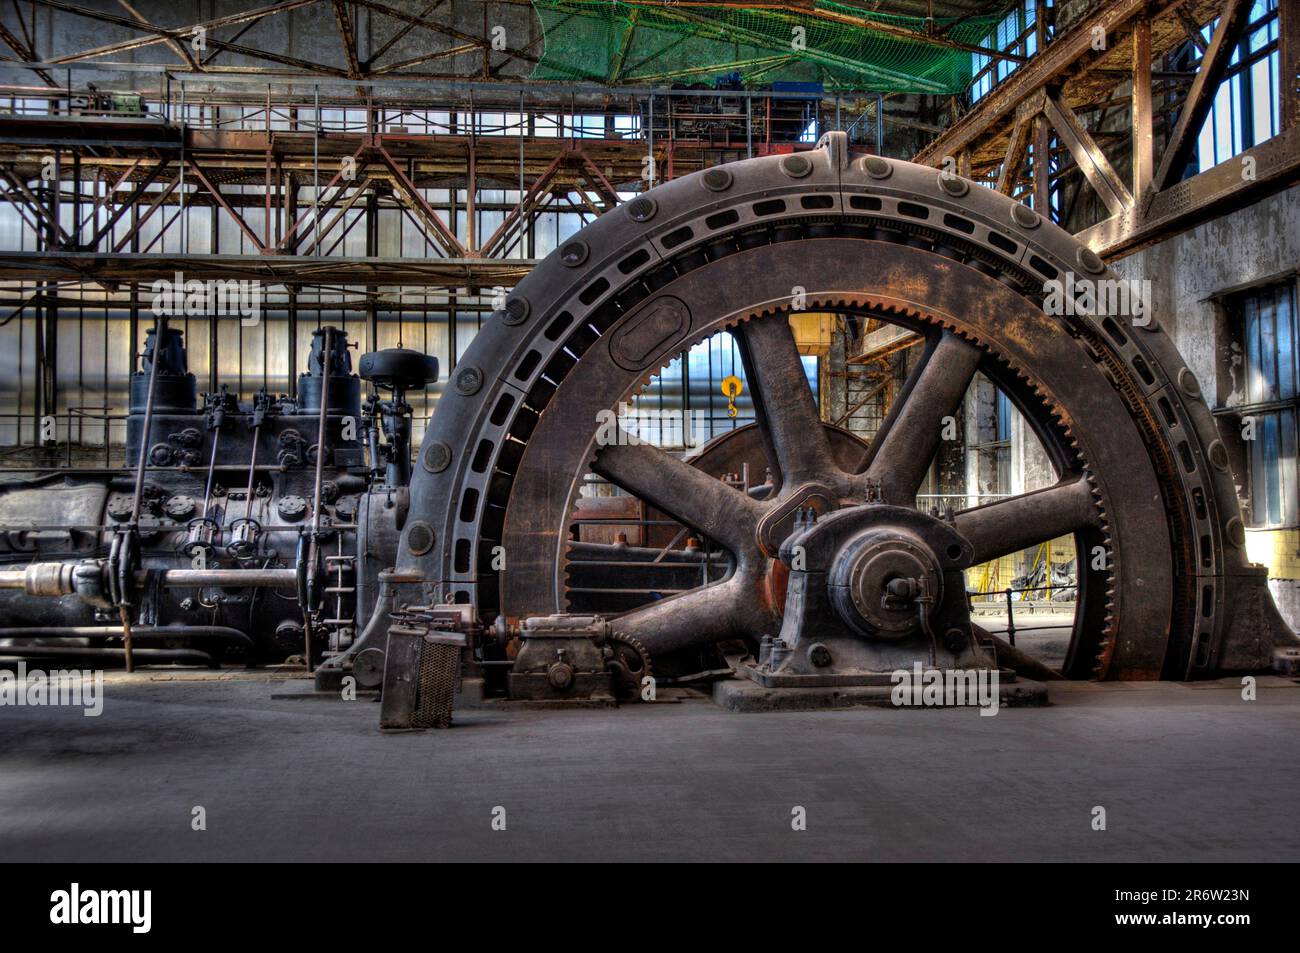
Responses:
[1044,422]
[477,447]
[1058,443]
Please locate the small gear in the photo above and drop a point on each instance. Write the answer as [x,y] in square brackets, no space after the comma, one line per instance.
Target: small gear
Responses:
[629,665]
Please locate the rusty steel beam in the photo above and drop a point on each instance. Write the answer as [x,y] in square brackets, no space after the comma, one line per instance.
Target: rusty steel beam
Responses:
[19,207]
[598,179]
[423,58]
[341,214]
[290,236]
[1140,118]
[402,31]
[139,223]
[343,17]
[150,177]
[271,270]
[1288,45]
[1190,27]
[103,201]
[526,201]
[206,181]
[159,34]
[1042,182]
[990,118]
[244,28]
[162,35]
[174,45]
[1232,24]
[442,28]
[25,53]
[450,242]
[38,209]
[1276,164]
[1015,157]
[1092,162]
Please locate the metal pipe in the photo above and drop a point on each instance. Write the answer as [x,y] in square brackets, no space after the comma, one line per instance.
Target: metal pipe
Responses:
[170,578]
[156,655]
[313,544]
[231,578]
[252,462]
[880,124]
[110,471]
[160,323]
[109,631]
[160,528]
[1011,621]
[212,469]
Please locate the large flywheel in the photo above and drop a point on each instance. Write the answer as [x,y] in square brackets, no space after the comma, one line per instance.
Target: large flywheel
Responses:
[1143,483]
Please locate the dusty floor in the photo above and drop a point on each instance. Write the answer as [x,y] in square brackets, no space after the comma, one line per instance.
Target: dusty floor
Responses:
[1183,772]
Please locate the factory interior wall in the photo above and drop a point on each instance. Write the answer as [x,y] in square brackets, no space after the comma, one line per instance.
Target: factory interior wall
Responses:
[1189,273]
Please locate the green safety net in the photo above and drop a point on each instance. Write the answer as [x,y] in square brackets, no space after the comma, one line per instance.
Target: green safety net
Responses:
[841,46]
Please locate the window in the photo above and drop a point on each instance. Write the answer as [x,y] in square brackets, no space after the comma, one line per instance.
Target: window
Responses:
[1268,383]
[1003,417]
[1247,106]
[1014,34]
[694,385]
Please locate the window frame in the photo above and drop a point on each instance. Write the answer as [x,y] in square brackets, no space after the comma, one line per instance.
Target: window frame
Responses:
[1285,468]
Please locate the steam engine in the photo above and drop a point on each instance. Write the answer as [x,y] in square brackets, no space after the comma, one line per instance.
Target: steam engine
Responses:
[240,530]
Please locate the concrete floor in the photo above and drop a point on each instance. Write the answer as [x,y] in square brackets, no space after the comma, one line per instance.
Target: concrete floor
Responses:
[1044,635]
[1184,772]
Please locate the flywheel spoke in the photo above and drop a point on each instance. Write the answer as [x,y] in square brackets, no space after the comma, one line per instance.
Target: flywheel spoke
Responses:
[793,437]
[910,438]
[1011,525]
[702,502]
[709,614]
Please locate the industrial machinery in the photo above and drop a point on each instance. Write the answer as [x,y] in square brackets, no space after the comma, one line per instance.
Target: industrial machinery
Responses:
[823,575]
[253,531]
[831,560]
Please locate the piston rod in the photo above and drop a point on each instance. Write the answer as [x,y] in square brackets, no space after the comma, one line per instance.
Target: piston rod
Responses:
[58,579]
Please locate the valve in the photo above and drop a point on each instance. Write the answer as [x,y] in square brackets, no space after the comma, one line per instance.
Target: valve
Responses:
[244,534]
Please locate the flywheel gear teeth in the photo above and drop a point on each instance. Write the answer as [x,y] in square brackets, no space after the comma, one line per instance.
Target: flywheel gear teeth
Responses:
[626,682]
[885,311]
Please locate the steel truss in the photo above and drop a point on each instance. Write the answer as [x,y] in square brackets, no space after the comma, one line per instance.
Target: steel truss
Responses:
[1068,91]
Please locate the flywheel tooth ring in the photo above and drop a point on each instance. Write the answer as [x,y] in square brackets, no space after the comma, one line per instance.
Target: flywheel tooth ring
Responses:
[902,210]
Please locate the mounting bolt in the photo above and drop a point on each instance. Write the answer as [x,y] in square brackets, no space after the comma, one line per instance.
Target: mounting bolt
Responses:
[468,380]
[955,640]
[436,456]
[574,253]
[642,209]
[1024,216]
[819,655]
[420,538]
[954,185]
[796,165]
[1090,261]
[716,179]
[876,167]
[515,311]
